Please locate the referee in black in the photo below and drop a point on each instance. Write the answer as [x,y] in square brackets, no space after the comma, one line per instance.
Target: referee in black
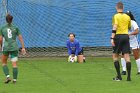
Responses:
[120,40]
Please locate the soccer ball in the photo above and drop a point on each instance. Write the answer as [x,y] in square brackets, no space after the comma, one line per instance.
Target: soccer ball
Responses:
[72,59]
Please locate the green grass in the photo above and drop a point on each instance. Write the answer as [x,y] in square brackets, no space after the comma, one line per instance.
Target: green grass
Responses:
[55,75]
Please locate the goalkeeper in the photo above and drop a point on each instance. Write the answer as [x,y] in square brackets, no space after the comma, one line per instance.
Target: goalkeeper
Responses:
[74,49]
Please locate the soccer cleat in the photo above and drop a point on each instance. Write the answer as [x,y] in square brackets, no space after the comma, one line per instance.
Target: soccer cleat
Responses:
[123,73]
[84,60]
[138,73]
[117,79]
[7,80]
[128,79]
[14,82]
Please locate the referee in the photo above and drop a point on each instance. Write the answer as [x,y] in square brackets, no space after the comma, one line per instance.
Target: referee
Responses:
[120,40]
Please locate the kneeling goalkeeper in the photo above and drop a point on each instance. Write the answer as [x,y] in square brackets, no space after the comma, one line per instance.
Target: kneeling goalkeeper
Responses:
[74,49]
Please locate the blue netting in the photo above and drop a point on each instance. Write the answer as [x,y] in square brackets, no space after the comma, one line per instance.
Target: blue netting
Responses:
[46,23]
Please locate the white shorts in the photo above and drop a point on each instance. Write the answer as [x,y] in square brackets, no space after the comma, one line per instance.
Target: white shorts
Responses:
[134,44]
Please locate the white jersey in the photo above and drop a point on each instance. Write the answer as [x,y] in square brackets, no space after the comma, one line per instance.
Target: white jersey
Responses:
[134,44]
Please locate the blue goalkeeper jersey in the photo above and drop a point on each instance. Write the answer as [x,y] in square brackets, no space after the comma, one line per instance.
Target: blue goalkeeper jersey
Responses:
[73,47]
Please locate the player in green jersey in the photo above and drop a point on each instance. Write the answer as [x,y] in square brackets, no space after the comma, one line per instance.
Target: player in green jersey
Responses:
[8,34]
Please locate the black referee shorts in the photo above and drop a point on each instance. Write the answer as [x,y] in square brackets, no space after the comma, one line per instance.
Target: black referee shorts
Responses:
[122,44]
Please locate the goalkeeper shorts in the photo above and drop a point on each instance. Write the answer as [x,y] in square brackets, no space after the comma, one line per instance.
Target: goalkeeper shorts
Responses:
[80,53]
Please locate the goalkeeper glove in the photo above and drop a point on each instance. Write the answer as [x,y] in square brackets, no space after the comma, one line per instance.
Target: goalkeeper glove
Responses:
[69,58]
[75,58]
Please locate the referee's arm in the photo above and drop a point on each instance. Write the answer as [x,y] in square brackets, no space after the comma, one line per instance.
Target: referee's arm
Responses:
[114,29]
[113,34]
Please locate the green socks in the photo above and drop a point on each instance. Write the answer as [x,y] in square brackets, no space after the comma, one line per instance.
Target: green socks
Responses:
[15,73]
[6,70]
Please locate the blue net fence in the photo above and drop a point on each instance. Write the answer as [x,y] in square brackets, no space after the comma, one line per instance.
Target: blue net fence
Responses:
[45,24]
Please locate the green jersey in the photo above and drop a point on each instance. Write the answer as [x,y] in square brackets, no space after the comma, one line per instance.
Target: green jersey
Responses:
[9,34]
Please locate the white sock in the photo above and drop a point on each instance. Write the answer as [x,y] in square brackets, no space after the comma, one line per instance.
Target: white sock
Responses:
[123,64]
[8,76]
[84,58]
[14,80]
[138,64]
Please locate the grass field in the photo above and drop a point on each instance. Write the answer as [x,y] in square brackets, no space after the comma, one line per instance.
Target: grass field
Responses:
[55,75]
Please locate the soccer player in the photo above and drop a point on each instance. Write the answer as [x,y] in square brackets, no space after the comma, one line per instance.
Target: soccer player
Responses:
[74,48]
[120,40]
[8,34]
[133,32]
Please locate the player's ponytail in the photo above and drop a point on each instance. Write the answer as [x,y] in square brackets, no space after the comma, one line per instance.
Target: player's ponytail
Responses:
[129,13]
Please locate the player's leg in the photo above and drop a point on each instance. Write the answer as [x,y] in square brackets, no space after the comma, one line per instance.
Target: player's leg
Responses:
[81,57]
[15,71]
[5,67]
[126,51]
[84,58]
[14,59]
[116,51]
[136,56]
[123,63]
[128,66]
[117,67]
